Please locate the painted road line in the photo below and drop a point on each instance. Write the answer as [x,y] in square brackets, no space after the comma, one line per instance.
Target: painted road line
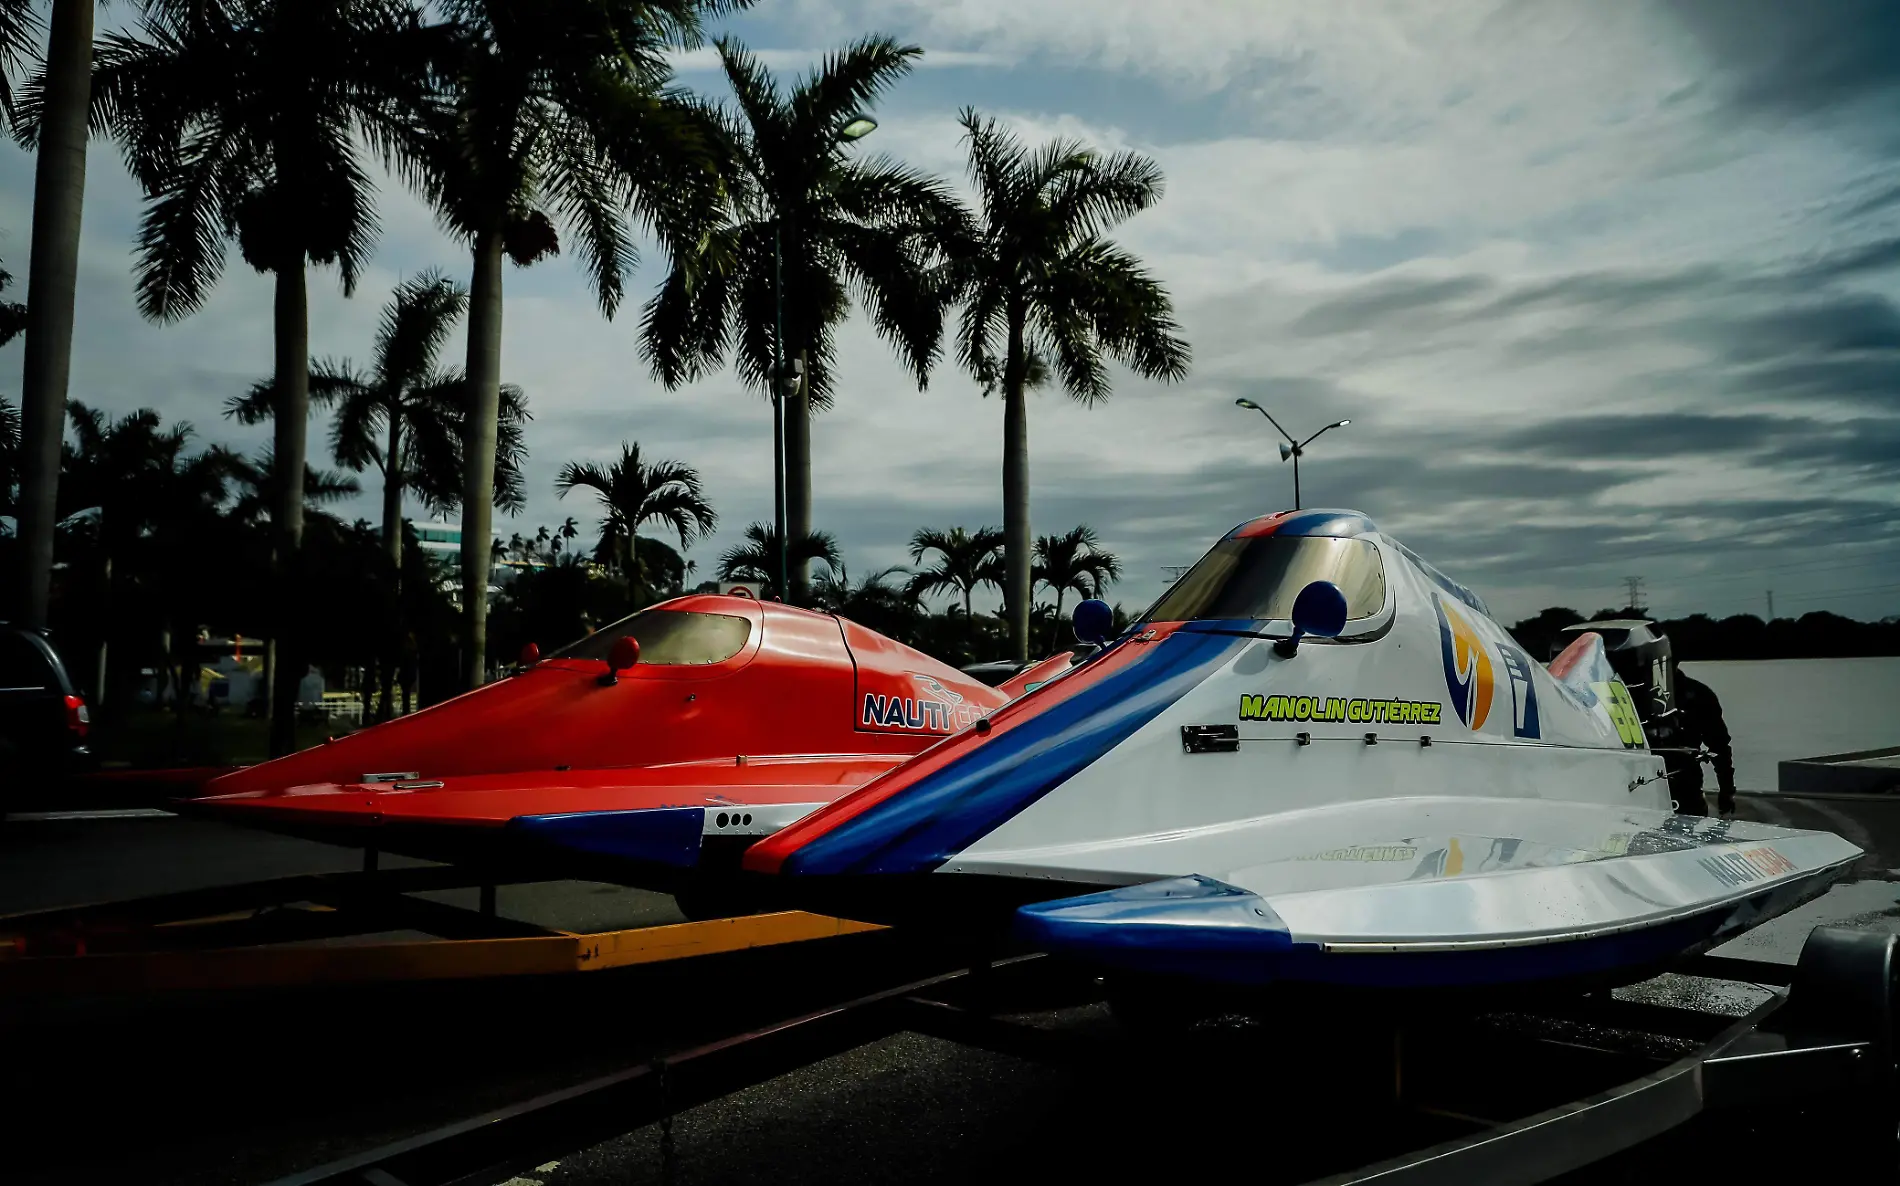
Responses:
[105,813]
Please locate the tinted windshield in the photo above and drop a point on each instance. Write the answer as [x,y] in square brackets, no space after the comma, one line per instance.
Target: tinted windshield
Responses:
[667,636]
[1259,578]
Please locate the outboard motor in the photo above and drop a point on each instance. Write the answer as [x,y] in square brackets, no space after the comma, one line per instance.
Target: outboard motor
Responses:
[1641,655]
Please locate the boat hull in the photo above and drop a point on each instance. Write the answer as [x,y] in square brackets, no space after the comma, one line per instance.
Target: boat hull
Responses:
[1519,912]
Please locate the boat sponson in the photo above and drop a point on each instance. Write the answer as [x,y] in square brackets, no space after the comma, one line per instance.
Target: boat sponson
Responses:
[1208,929]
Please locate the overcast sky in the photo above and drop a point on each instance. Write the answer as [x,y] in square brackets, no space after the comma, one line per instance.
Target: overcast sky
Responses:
[1607,287]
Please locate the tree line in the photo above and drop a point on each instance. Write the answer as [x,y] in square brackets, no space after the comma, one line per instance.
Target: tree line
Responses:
[533,126]
[161,538]
[1819,635]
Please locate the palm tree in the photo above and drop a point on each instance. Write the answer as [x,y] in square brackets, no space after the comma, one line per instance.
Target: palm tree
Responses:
[12,323]
[13,320]
[240,119]
[260,487]
[562,105]
[880,601]
[403,417]
[810,220]
[1074,560]
[9,456]
[56,127]
[391,401]
[965,560]
[633,493]
[1039,281]
[135,481]
[757,558]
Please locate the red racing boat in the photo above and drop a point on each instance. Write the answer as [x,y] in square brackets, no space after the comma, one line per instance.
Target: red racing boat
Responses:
[647,753]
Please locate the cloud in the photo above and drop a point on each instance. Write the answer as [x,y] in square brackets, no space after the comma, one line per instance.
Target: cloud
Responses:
[1415,301]
[706,58]
[1798,58]
[1595,301]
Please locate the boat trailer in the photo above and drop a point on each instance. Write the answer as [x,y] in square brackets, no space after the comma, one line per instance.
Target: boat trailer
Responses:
[1492,1097]
[375,926]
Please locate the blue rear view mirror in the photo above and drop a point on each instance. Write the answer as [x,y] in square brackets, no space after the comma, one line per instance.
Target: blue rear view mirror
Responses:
[1093,621]
[1320,609]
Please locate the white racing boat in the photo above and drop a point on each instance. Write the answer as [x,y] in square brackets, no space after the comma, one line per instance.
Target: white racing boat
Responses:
[1315,759]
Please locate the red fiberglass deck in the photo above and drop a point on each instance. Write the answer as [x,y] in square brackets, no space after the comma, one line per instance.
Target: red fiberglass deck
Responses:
[738,717]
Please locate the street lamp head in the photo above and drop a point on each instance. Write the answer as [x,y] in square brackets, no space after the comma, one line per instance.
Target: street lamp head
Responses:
[1248,404]
[857,128]
[1342,424]
[1286,450]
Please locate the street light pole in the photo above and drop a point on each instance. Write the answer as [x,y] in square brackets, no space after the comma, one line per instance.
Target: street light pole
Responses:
[1293,448]
[778,409]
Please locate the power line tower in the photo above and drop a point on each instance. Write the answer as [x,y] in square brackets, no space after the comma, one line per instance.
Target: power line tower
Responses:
[1635,586]
[1771,605]
[1173,571]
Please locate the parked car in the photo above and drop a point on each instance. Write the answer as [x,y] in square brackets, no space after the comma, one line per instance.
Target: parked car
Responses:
[43,720]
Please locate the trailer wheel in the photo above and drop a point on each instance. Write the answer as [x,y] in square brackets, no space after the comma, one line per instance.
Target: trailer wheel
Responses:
[1846,983]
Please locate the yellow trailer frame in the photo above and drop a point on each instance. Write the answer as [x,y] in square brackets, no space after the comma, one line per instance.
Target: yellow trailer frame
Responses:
[342,928]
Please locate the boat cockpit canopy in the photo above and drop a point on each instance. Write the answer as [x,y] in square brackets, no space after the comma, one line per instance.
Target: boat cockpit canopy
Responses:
[1259,578]
[668,636]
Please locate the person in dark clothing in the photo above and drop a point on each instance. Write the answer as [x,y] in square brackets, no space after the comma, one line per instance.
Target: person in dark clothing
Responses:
[1699,723]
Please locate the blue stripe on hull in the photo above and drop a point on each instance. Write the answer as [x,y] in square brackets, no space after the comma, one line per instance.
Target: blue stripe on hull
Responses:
[948,810]
[1204,929]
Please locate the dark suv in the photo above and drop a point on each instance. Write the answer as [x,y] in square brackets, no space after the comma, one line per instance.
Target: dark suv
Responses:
[43,721]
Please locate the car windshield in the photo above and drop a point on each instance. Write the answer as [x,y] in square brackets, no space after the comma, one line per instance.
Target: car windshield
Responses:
[667,636]
[1259,578]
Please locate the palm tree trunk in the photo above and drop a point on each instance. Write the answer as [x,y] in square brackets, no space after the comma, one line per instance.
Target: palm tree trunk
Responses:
[59,190]
[392,540]
[1016,539]
[798,483]
[478,447]
[1055,631]
[636,576]
[291,430]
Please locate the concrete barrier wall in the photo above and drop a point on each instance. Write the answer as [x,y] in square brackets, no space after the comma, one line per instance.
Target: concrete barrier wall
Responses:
[1864,772]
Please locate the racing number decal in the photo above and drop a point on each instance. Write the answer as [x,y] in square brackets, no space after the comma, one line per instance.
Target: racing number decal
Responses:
[1616,698]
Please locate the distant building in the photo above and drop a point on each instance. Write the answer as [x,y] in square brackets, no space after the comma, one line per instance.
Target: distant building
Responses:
[444,539]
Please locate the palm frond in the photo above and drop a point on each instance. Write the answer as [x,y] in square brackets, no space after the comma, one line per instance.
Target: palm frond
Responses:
[19,38]
[1090,201]
[418,320]
[581,181]
[180,244]
[849,80]
[751,85]
[255,406]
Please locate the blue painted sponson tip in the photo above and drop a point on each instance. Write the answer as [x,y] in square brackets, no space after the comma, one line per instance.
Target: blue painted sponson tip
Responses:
[659,835]
[1194,926]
